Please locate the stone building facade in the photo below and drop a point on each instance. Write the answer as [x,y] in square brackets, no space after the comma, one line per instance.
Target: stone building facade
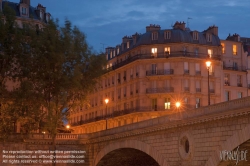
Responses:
[149,73]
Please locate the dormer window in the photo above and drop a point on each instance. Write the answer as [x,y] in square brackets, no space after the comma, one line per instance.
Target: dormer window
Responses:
[114,53]
[24,11]
[41,14]
[127,44]
[118,50]
[209,38]
[195,36]
[167,35]
[155,36]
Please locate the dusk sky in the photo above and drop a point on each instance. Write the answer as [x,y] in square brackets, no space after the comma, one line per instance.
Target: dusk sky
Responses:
[108,21]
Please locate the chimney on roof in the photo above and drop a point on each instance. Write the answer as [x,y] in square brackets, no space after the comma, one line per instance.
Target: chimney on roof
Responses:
[234,37]
[135,38]
[180,25]
[213,29]
[25,2]
[153,27]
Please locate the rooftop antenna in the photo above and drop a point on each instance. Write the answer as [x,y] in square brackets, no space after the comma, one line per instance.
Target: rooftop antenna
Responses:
[103,46]
[188,21]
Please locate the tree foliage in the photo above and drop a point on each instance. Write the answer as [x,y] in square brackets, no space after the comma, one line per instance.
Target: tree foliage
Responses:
[55,70]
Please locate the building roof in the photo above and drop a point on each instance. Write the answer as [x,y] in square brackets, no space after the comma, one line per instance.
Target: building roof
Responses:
[15,7]
[178,35]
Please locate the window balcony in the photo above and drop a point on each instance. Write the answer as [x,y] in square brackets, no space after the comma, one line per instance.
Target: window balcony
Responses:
[227,83]
[198,90]
[186,89]
[159,72]
[212,91]
[159,90]
[198,73]
[236,68]
[239,84]
[186,71]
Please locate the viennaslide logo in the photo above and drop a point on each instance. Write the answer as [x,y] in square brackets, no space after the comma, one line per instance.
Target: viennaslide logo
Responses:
[235,155]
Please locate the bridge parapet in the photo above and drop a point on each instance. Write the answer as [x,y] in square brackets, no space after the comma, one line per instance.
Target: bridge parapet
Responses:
[199,115]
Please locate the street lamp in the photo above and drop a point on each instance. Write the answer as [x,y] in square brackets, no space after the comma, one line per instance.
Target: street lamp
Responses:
[178,104]
[208,64]
[106,101]
[67,127]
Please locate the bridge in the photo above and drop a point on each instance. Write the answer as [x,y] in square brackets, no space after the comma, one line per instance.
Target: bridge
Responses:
[196,138]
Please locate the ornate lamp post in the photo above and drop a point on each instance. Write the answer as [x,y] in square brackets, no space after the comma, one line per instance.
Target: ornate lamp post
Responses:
[106,101]
[208,64]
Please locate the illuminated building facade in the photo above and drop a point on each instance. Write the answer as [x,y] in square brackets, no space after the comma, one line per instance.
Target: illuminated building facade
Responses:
[149,73]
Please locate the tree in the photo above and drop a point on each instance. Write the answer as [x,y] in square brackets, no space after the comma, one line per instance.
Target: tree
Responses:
[55,71]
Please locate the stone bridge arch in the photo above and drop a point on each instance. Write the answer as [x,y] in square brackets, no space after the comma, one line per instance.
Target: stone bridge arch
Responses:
[133,144]
[238,138]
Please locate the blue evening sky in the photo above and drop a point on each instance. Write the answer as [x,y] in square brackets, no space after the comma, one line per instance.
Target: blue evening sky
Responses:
[107,21]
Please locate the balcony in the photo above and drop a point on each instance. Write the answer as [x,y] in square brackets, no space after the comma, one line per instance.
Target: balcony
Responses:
[198,90]
[212,91]
[159,72]
[186,71]
[159,90]
[198,73]
[227,83]
[239,84]
[162,55]
[235,68]
[186,89]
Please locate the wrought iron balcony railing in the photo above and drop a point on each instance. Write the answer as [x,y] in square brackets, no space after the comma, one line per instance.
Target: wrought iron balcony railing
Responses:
[237,68]
[160,90]
[159,72]
[162,55]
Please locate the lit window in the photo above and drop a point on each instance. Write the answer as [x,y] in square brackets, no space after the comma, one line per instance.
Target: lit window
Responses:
[24,11]
[209,37]
[195,36]
[167,51]
[167,35]
[167,103]
[223,48]
[154,52]
[234,49]
[210,52]
[154,36]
